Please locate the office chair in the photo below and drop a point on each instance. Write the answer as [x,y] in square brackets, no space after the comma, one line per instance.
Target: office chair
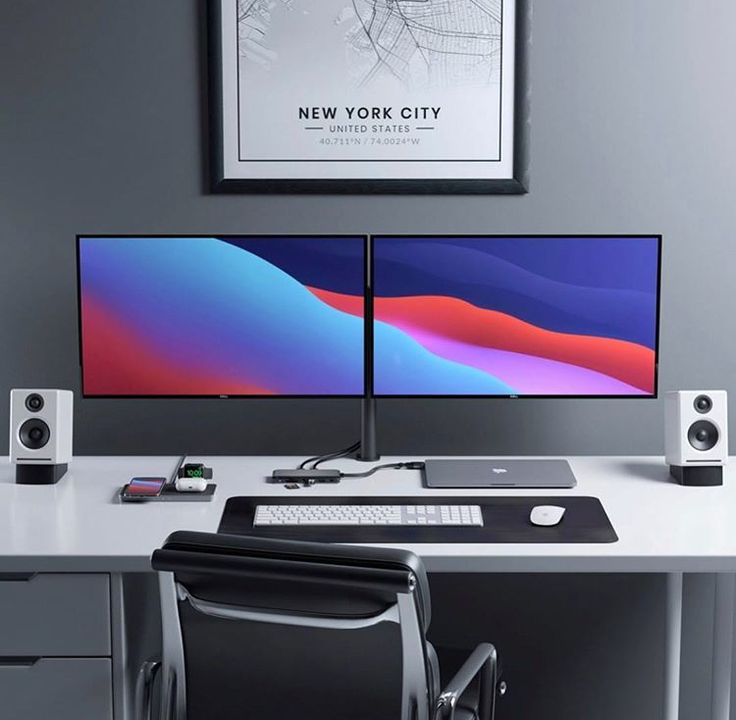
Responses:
[268,629]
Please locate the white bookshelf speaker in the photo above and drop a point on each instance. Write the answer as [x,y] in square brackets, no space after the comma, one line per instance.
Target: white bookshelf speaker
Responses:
[696,435]
[41,434]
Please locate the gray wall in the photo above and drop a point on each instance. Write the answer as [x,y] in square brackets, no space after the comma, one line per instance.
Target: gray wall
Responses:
[103,128]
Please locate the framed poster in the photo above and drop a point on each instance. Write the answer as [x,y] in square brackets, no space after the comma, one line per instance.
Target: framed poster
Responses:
[369,95]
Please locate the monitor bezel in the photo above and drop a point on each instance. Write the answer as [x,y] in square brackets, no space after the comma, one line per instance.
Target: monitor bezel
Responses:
[592,236]
[367,351]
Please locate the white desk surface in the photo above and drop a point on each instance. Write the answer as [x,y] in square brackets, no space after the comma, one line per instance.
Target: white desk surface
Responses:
[80,526]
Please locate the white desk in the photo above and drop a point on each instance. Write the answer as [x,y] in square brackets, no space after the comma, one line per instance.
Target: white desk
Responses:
[80,526]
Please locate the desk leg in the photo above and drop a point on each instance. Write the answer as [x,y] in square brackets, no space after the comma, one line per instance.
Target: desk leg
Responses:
[673,643]
[723,627]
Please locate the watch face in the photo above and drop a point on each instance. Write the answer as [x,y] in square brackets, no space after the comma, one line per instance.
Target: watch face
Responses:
[193,472]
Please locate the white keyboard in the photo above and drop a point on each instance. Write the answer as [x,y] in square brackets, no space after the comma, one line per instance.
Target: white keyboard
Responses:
[448,515]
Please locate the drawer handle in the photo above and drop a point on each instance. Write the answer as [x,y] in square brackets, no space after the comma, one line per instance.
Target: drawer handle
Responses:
[17,577]
[19,662]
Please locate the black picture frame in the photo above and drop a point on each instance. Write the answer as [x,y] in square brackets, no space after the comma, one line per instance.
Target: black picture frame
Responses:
[517,184]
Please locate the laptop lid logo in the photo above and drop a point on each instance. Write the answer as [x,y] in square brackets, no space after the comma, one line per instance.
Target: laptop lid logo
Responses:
[499,471]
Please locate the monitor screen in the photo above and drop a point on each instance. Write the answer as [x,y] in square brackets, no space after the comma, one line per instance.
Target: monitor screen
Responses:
[222,316]
[515,316]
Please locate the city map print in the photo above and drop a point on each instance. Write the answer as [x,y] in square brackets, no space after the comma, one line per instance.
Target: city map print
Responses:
[417,42]
[370,81]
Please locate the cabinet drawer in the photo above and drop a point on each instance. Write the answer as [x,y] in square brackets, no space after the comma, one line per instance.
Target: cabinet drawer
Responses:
[55,614]
[59,688]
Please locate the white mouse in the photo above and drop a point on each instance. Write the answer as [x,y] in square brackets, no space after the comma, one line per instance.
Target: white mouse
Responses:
[546,515]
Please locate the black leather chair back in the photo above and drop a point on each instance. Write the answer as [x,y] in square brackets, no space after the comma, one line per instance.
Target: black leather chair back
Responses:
[276,629]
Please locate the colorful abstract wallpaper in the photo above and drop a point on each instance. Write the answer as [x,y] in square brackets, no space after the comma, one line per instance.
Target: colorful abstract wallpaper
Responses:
[572,316]
[221,315]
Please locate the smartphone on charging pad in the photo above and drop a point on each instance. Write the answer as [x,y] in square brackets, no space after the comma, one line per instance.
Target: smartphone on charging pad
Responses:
[141,488]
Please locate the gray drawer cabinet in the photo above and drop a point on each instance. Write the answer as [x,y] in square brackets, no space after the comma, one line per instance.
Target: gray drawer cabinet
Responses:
[55,614]
[55,646]
[58,688]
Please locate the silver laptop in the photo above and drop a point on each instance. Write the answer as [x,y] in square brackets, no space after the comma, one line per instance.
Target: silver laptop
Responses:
[498,473]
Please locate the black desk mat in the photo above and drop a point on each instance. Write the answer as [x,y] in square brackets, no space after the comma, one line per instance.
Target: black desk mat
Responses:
[505,520]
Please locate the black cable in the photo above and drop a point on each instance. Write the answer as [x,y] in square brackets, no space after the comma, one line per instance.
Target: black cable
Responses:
[413,465]
[347,453]
[323,458]
[317,459]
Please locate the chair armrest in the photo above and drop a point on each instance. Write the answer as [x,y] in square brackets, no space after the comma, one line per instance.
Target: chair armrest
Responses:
[482,663]
[144,688]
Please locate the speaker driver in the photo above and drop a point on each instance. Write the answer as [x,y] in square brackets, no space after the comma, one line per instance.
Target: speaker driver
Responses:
[34,402]
[703,435]
[703,404]
[34,433]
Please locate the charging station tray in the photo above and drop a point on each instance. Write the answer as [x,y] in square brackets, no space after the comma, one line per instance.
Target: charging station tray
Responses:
[170,494]
[505,520]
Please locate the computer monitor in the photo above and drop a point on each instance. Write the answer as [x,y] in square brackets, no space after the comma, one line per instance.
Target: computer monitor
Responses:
[515,316]
[222,315]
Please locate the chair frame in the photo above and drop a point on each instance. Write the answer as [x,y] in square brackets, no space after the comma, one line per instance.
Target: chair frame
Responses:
[481,664]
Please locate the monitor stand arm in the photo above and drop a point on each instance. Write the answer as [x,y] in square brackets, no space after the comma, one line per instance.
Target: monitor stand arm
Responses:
[368,451]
